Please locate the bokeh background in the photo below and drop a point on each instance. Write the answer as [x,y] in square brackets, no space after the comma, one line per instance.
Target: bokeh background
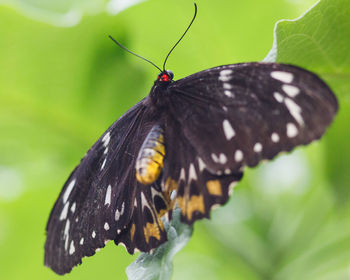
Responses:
[63,82]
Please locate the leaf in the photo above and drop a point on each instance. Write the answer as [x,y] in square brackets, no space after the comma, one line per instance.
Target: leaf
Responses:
[318,40]
[158,265]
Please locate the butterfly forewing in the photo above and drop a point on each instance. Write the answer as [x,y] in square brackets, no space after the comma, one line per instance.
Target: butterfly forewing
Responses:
[236,115]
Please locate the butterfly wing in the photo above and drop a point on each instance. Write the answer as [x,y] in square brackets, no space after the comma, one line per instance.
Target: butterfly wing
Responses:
[187,182]
[97,203]
[239,114]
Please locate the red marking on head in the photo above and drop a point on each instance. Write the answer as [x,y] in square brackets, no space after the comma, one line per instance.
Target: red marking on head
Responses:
[164,78]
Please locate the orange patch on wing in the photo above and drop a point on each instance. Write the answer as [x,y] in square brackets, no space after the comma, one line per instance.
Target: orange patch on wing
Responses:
[132,231]
[181,202]
[189,206]
[214,187]
[151,230]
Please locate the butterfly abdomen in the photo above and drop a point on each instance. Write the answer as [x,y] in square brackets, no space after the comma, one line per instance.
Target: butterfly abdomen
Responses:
[149,162]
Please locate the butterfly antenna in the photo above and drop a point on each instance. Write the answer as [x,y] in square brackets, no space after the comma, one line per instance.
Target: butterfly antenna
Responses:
[195,14]
[129,51]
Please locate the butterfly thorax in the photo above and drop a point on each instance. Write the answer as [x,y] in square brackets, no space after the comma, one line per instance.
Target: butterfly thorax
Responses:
[149,162]
[159,92]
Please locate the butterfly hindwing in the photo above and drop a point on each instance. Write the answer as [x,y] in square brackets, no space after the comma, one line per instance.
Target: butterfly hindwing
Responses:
[145,231]
[187,181]
[237,115]
[96,203]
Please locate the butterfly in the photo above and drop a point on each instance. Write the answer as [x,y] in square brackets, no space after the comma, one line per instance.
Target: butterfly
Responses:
[185,145]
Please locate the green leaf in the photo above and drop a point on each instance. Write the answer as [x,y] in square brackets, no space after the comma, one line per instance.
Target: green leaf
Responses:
[318,40]
[158,265]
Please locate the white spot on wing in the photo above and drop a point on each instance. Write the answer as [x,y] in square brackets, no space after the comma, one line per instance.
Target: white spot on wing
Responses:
[292,130]
[81,241]
[257,147]
[228,130]
[238,155]
[108,195]
[93,234]
[106,226]
[227,86]
[71,248]
[294,110]
[225,75]
[192,173]
[228,93]
[143,200]
[122,210]
[278,97]
[226,72]
[214,157]
[66,235]
[103,164]
[182,175]
[274,137]
[64,212]
[219,159]
[292,91]
[117,215]
[106,139]
[201,164]
[282,76]
[73,207]
[68,191]
[222,158]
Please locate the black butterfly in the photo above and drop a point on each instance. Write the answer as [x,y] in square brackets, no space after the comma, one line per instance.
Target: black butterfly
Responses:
[183,145]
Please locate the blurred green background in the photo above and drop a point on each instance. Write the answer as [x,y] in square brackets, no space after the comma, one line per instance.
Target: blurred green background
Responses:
[63,82]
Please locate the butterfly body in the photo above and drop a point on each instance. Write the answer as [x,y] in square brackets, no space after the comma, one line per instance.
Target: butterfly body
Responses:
[185,145]
[149,162]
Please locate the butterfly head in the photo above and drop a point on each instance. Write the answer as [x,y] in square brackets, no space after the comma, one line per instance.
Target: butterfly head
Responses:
[165,76]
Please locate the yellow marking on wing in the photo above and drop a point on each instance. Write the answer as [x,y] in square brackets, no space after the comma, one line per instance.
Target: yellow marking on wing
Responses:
[151,230]
[188,206]
[132,232]
[181,202]
[214,187]
[162,212]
